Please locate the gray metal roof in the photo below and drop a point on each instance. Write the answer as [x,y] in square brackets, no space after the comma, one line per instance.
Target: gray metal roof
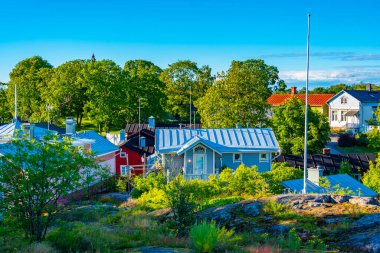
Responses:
[221,140]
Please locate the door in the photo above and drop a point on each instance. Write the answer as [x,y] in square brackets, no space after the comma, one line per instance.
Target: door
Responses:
[199,165]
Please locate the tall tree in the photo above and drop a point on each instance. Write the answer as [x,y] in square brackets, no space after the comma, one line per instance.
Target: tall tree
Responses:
[5,114]
[239,96]
[35,175]
[104,83]
[31,76]
[289,122]
[143,82]
[66,93]
[178,78]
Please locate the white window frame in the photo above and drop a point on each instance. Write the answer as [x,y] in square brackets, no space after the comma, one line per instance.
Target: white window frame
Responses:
[126,170]
[334,115]
[343,100]
[266,159]
[123,154]
[237,160]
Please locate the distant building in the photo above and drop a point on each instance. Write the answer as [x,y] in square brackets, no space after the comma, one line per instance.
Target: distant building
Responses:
[199,153]
[317,102]
[351,109]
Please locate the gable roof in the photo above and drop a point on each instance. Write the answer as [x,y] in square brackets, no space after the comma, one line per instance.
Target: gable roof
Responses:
[7,131]
[101,145]
[313,99]
[53,127]
[364,96]
[134,128]
[221,140]
[134,145]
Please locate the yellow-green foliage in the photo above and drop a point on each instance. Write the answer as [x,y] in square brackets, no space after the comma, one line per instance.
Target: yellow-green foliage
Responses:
[220,202]
[372,177]
[153,199]
[146,184]
[374,138]
[208,237]
[281,172]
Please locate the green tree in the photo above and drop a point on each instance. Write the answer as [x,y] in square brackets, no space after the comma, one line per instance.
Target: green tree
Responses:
[143,82]
[288,124]
[104,81]
[239,96]
[31,76]
[36,175]
[66,93]
[178,78]
[5,114]
[372,177]
[281,87]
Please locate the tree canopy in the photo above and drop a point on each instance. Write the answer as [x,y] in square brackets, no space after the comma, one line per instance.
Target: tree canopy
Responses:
[178,78]
[239,96]
[37,174]
[289,122]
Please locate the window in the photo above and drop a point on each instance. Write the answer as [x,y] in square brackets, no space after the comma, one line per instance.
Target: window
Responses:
[263,157]
[237,158]
[199,149]
[334,116]
[123,170]
[123,154]
[343,116]
[343,100]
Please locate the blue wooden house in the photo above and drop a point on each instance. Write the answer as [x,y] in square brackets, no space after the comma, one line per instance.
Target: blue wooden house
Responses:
[203,152]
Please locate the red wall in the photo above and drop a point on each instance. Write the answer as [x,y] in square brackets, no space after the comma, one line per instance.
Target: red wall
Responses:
[133,160]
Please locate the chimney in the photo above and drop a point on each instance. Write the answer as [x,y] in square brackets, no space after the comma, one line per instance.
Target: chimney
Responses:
[151,122]
[293,91]
[314,174]
[122,135]
[368,87]
[28,130]
[180,125]
[238,125]
[326,151]
[142,141]
[70,125]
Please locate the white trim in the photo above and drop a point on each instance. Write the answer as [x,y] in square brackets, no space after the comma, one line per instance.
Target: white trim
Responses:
[123,154]
[237,161]
[121,170]
[262,160]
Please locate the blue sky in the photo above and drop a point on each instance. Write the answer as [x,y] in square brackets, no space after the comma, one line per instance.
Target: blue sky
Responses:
[345,35]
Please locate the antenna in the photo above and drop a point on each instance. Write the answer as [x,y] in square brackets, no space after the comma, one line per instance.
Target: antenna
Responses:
[306,104]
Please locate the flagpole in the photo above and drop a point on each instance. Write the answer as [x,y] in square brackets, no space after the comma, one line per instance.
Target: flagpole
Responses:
[306,106]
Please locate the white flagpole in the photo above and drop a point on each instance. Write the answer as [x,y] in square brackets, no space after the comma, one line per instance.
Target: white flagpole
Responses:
[306,106]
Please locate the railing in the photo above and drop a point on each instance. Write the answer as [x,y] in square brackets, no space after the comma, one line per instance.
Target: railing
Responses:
[352,125]
[196,176]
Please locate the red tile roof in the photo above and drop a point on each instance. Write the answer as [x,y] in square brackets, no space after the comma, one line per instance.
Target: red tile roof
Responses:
[314,99]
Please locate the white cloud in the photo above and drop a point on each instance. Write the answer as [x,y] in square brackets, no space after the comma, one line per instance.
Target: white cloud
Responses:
[350,75]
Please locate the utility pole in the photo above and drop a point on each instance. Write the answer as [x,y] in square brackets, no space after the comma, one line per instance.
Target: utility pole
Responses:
[190,108]
[306,105]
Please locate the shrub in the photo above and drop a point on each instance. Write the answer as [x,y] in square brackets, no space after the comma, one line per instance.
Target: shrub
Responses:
[121,184]
[182,204]
[220,202]
[202,189]
[41,247]
[346,140]
[248,181]
[372,177]
[281,172]
[345,168]
[292,242]
[362,139]
[146,184]
[374,138]
[204,237]
[273,208]
[153,199]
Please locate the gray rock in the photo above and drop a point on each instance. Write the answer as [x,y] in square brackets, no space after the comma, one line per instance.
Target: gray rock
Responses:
[335,220]
[252,209]
[368,221]
[220,214]
[279,229]
[322,199]
[340,198]
[367,241]
[314,204]
[363,201]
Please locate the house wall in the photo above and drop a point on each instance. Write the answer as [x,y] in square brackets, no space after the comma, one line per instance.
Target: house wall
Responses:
[209,161]
[133,159]
[336,105]
[108,161]
[366,113]
[249,160]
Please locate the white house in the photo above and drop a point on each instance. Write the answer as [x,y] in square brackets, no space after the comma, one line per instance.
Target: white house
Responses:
[351,109]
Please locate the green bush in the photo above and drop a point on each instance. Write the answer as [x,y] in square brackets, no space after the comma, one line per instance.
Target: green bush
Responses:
[374,138]
[204,237]
[281,172]
[372,177]
[292,242]
[146,184]
[77,236]
[220,202]
[362,139]
[345,168]
[153,199]
[202,189]
[121,184]
[180,199]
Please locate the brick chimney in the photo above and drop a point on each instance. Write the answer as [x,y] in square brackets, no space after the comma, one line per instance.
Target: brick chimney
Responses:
[368,87]
[293,90]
